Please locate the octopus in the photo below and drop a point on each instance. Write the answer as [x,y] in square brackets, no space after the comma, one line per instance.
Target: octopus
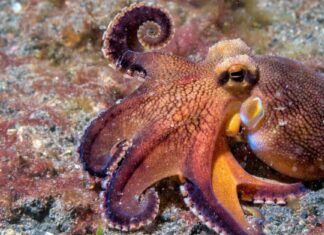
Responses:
[177,124]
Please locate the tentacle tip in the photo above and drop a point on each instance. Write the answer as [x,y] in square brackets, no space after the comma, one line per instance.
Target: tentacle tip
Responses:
[151,26]
[125,222]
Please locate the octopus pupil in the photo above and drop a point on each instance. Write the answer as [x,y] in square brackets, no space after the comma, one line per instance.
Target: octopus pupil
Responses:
[238,76]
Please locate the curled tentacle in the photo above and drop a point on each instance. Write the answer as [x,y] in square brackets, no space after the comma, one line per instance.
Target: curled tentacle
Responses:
[150,35]
[138,212]
[147,207]
[135,29]
[131,213]
[129,202]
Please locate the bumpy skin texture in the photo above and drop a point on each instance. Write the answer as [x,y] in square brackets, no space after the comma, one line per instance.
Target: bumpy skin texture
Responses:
[175,124]
[294,100]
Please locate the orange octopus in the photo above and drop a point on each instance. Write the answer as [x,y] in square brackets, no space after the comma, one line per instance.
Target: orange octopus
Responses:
[176,124]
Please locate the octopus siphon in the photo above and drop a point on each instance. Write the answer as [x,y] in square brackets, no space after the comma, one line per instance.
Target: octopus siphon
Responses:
[178,121]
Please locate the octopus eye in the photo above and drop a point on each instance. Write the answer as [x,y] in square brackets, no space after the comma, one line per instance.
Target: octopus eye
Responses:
[237,74]
[238,78]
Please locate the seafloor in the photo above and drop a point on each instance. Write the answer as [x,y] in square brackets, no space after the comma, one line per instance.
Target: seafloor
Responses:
[54,79]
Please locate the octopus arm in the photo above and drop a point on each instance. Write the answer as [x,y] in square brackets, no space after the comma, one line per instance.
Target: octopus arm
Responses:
[231,180]
[198,188]
[154,154]
[132,35]
[160,149]
[161,66]
[151,102]
[130,38]
[104,132]
[120,122]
